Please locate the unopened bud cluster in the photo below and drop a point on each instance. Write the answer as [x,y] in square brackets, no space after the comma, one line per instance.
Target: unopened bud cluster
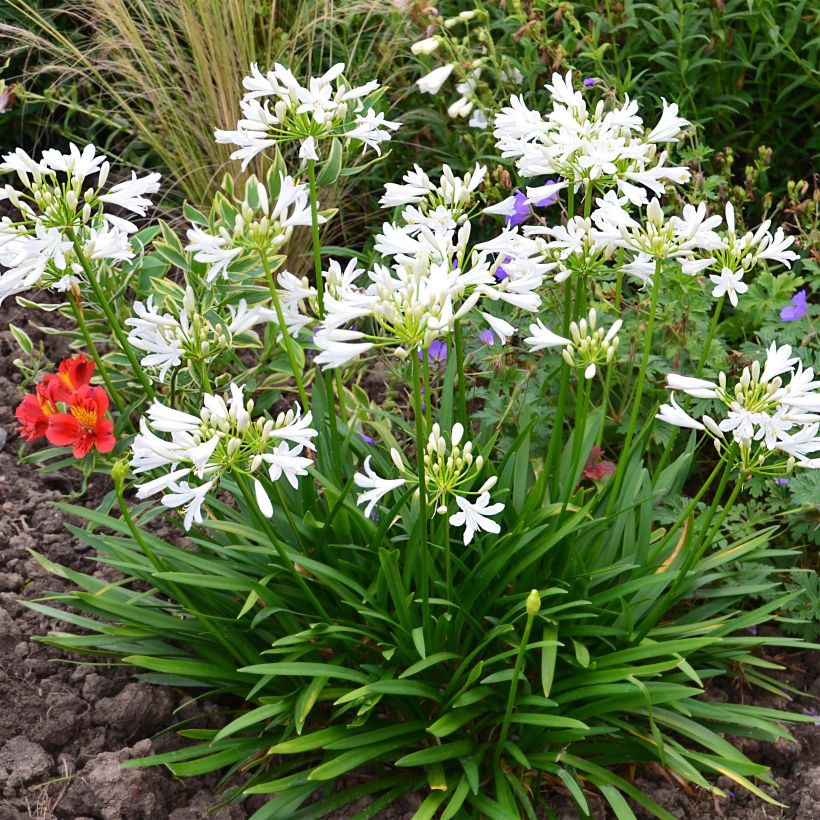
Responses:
[591,347]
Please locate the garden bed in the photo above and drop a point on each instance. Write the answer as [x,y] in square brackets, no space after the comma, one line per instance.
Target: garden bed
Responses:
[67,725]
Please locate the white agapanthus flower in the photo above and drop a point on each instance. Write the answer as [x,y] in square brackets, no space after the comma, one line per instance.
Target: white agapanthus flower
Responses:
[224,438]
[64,199]
[772,413]
[685,238]
[450,471]
[601,147]
[278,108]
[739,254]
[588,348]
[375,487]
[728,283]
[253,226]
[475,516]
[168,339]
[440,206]
[434,281]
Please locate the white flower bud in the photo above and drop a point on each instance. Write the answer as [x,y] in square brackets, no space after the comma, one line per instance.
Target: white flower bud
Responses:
[488,484]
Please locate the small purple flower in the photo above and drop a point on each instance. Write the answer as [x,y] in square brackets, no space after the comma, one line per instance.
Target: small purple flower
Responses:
[522,207]
[436,353]
[797,309]
[781,482]
[500,273]
[752,630]
[522,210]
[366,439]
[486,337]
[590,82]
[549,200]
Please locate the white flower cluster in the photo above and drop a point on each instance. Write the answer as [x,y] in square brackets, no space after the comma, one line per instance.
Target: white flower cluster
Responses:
[440,207]
[433,282]
[587,349]
[224,438]
[468,102]
[765,414]
[60,203]
[576,248]
[278,108]
[449,471]
[657,237]
[187,334]
[239,233]
[739,254]
[434,277]
[596,148]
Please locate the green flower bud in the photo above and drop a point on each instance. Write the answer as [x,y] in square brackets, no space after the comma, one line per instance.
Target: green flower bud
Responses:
[533,603]
[119,472]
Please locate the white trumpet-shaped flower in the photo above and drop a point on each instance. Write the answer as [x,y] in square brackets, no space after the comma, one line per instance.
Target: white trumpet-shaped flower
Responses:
[771,415]
[223,439]
[278,108]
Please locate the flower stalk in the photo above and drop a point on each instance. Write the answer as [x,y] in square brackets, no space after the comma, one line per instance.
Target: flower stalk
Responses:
[533,606]
[636,400]
[103,302]
[277,306]
[422,485]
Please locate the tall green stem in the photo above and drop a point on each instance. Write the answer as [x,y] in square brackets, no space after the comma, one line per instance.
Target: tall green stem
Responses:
[519,663]
[280,316]
[286,561]
[667,450]
[619,283]
[113,321]
[320,298]
[420,449]
[77,310]
[317,248]
[581,412]
[462,381]
[710,336]
[553,450]
[636,401]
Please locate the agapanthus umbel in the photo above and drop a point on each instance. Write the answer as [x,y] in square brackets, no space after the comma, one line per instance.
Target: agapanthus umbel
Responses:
[58,203]
[439,206]
[689,239]
[199,450]
[737,255]
[277,108]
[596,148]
[772,414]
[433,280]
[240,230]
[450,470]
[588,347]
[190,332]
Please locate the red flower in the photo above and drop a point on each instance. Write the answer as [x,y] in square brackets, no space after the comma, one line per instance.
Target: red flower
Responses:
[596,468]
[70,377]
[35,411]
[84,425]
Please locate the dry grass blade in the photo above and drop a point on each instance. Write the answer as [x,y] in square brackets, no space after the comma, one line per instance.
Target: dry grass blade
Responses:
[172,69]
